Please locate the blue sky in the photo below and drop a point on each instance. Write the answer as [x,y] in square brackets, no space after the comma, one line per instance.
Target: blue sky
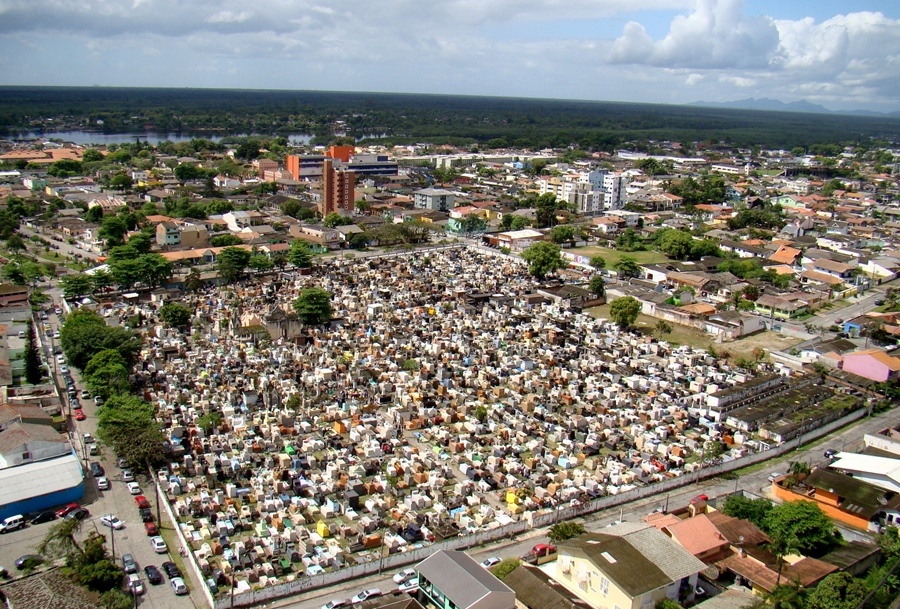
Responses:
[842,55]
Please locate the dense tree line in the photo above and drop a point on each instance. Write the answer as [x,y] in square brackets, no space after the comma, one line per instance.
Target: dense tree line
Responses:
[402,118]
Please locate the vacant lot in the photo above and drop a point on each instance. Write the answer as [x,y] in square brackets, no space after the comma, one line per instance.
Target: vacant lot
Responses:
[613,256]
[684,335]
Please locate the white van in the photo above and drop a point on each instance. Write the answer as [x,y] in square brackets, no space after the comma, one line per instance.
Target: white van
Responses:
[12,523]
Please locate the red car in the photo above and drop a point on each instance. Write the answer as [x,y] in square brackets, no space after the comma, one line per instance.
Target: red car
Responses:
[142,501]
[151,529]
[60,513]
[79,415]
[700,497]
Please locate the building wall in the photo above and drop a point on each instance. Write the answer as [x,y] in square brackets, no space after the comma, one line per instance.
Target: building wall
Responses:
[595,587]
[36,451]
[832,511]
[43,502]
[194,236]
[867,367]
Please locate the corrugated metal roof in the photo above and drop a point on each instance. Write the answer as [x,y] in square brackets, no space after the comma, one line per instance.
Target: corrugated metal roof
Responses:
[460,577]
[34,479]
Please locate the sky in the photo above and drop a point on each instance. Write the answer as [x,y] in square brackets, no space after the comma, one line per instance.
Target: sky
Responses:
[842,55]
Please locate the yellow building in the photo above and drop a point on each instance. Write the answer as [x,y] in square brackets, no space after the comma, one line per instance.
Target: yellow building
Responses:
[628,566]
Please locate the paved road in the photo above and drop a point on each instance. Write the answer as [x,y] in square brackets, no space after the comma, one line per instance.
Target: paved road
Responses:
[118,501]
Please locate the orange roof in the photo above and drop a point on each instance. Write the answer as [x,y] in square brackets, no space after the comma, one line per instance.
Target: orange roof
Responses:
[781,269]
[785,255]
[821,277]
[697,535]
[893,363]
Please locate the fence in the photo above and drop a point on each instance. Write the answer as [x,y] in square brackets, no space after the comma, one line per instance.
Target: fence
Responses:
[390,563]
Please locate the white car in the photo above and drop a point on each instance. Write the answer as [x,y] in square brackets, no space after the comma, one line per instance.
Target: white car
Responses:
[159,545]
[411,585]
[112,522]
[335,604]
[134,488]
[370,593]
[127,475]
[774,476]
[135,584]
[178,586]
[404,576]
[103,483]
[488,563]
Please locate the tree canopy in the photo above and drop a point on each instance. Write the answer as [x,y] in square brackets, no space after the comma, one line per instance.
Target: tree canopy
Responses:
[543,259]
[800,526]
[175,314]
[126,424]
[313,306]
[231,263]
[624,311]
[85,333]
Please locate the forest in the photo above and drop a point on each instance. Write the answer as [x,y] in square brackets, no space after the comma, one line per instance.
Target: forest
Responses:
[393,118]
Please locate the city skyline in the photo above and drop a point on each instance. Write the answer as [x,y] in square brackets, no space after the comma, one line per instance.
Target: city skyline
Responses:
[839,55]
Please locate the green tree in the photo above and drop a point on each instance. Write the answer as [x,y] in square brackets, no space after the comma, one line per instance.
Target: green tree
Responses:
[231,263]
[675,244]
[597,285]
[300,255]
[663,327]
[60,539]
[313,306]
[800,526]
[85,333]
[335,219]
[91,155]
[33,368]
[116,599]
[624,311]
[597,262]
[225,240]
[754,510]
[543,258]
[107,373]
[787,596]
[16,243]
[101,576]
[667,603]
[209,421]
[837,591]
[193,282]
[127,425]
[100,280]
[561,531]
[562,234]
[627,267]
[481,413]
[175,315]
[121,181]
[505,567]
[113,229]
[261,263]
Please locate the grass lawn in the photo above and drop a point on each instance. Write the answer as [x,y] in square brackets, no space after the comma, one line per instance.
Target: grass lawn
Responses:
[692,337]
[613,256]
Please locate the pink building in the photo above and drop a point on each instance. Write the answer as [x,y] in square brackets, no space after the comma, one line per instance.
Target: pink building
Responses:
[872,364]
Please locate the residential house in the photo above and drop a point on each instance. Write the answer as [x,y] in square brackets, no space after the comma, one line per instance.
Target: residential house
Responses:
[783,306]
[699,536]
[629,566]
[516,240]
[238,220]
[873,364]
[22,443]
[536,589]
[12,295]
[107,204]
[451,579]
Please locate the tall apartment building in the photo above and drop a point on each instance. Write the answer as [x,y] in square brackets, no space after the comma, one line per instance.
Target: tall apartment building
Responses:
[304,166]
[338,189]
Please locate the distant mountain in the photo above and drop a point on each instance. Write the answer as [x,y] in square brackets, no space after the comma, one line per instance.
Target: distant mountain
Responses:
[766,104]
[779,106]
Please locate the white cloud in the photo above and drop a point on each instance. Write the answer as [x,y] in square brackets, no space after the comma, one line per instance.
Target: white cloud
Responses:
[229,17]
[693,79]
[716,34]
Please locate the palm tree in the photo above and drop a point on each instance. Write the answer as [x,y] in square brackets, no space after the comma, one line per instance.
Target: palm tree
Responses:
[60,539]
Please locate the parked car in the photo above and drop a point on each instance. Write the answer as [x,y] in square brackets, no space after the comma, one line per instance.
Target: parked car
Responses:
[12,523]
[404,576]
[830,453]
[153,574]
[87,438]
[134,488]
[112,522]
[43,517]
[103,483]
[408,586]
[79,514]
[28,561]
[146,515]
[62,512]
[171,569]
[178,586]
[159,545]
[336,604]
[151,528]
[122,462]
[775,476]
[491,562]
[93,449]
[141,502]
[700,498]
[366,594]
[879,302]
[135,584]
[96,469]
[127,475]
[129,564]
[85,394]
[543,549]
[79,415]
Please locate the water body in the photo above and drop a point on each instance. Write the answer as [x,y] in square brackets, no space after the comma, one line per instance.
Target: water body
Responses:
[84,138]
